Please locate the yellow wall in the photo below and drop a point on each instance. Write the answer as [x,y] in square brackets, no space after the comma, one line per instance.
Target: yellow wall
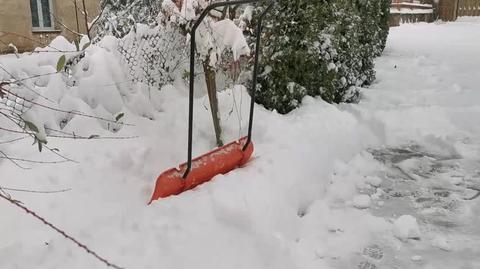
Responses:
[16,23]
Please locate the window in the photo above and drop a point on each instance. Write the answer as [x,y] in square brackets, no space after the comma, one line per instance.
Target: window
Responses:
[41,15]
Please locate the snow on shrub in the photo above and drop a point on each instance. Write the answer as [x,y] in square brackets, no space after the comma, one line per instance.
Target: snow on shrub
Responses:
[119,17]
[316,48]
[320,48]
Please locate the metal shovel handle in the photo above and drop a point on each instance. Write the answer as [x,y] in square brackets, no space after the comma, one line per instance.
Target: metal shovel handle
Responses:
[192,69]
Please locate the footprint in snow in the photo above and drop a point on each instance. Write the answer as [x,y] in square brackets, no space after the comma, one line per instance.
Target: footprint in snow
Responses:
[374,254]
[373,251]
[366,265]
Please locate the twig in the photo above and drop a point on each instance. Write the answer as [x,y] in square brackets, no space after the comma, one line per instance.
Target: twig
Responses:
[13,117]
[63,233]
[28,88]
[91,137]
[51,51]
[86,20]
[32,77]
[32,161]
[64,26]
[13,131]
[14,140]
[34,137]
[69,112]
[79,9]
[13,161]
[31,39]
[55,151]
[33,191]
[5,193]
[96,19]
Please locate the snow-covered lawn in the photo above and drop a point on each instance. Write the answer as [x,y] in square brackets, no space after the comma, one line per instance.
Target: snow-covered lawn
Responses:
[390,182]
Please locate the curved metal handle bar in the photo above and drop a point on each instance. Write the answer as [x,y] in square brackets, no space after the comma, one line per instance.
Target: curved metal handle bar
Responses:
[192,70]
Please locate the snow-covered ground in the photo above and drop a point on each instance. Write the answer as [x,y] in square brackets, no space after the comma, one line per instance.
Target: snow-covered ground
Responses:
[390,182]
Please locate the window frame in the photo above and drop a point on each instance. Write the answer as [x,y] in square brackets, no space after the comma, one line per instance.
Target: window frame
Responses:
[42,27]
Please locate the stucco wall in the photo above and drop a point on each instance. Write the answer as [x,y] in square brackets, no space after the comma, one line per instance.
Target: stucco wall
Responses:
[16,23]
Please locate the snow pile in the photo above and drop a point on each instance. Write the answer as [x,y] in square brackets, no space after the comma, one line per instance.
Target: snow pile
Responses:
[212,37]
[232,37]
[442,243]
[406,227]
[361,201]
[113,179]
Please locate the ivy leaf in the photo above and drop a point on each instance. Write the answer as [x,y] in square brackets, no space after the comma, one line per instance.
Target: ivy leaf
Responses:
[40,142]
[30,125]
[119,116]
[61,63]
[86,46]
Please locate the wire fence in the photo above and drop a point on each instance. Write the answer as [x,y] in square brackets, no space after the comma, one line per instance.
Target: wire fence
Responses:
[152,56]
[13,104]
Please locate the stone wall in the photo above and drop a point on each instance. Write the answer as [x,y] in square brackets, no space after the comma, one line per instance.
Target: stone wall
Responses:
[16,23]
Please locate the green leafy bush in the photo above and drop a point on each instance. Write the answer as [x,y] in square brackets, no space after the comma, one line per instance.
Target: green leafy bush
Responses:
[320,48]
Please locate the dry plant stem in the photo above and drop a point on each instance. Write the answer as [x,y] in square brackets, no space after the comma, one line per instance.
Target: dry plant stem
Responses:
[32,161]
[34,191]
[13,161]
[86,20]
[14,140]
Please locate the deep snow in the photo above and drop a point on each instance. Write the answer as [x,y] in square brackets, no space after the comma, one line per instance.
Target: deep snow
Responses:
[412,145]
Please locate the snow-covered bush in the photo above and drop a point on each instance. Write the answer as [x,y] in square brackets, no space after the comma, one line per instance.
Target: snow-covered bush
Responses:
[317,48]
[320,48]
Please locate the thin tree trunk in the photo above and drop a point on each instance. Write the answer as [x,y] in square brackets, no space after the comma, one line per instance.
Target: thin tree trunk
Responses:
[212,96]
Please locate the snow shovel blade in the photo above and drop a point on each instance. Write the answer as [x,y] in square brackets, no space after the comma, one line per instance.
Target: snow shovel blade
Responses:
[219,161]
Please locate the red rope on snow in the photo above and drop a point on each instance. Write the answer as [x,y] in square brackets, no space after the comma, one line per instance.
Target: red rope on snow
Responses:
[63,233]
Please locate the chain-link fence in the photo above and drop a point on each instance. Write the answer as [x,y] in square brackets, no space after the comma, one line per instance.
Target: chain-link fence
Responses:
[153,55]
[13,105]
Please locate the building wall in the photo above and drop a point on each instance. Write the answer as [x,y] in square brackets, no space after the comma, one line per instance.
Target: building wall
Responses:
[445,10]
[16,23]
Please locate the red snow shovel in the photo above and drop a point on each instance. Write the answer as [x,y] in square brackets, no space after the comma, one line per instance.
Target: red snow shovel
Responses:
[223,159]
